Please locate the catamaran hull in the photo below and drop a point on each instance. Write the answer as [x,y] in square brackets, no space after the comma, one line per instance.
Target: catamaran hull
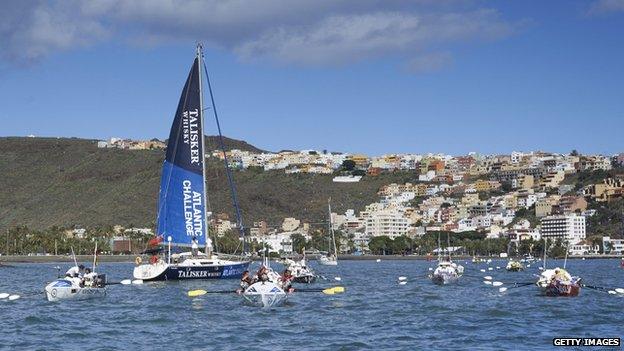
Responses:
[175,272]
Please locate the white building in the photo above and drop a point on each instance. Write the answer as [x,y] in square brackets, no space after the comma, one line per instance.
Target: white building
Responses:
[387,222]
[278,242]
[613,246]
[570,228]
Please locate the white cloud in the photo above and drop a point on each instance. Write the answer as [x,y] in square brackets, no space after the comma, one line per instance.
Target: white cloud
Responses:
[606,6]
[321,32]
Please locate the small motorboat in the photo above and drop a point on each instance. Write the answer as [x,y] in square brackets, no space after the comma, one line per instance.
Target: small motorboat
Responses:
[265,294]
[76,288]
[558,282]
[514,266]
[447,272]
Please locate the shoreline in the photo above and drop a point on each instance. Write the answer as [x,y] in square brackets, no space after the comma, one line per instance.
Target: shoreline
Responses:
[131,258]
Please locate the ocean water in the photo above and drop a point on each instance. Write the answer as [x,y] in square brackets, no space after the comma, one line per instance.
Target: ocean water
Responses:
[374,313]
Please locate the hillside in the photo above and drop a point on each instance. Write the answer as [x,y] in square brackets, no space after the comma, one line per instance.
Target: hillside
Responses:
[64,182]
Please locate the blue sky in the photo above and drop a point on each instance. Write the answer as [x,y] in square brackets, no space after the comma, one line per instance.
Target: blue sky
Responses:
[354,76]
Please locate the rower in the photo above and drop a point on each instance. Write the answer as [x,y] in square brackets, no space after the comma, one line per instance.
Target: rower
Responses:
[75,271]
[245,282]
[286,279]
[262,274]
[89,277]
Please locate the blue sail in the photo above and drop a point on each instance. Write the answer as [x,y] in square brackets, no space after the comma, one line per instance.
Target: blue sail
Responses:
[181,207]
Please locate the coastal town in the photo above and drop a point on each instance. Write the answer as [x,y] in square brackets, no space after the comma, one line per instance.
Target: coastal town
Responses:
[518,196]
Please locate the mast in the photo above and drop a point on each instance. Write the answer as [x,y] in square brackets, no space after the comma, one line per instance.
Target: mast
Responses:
[448,245]
[203,144]
[544,262]
[331,229]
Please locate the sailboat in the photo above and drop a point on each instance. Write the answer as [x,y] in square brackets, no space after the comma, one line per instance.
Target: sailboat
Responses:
[182,217]
[332,259]
[447,272]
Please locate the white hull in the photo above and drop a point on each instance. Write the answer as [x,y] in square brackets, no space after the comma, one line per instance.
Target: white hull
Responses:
[191,267]
[326,261]
[446,273]
[65,289]
[265,294]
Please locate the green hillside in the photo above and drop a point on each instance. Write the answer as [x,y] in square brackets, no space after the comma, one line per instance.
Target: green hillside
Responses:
[65,182]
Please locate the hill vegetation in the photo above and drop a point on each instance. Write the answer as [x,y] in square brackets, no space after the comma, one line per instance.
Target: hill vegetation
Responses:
[65,182]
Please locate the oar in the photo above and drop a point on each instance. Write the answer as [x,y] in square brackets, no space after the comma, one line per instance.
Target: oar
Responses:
[327,291]
[610,291]
[515,286]
[200,292]
[127,282]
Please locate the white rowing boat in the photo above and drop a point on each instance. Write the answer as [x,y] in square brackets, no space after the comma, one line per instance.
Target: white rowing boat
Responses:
[71,288]
[265,294]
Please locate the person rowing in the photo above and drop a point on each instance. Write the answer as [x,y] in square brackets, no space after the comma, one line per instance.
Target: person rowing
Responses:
[75,271]
[245,282]
[262,275]
[286,280]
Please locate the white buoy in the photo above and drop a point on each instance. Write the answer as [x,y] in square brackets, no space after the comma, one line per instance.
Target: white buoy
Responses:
[4,295]
[378,260]
[502,289]
[402,278]
[490,268]
[488,277]
[337,279]
[137,282]
[497,283]
[487,282]
[482,270]
[126,282]
[583,259]
[430,268]
[402,282]
[13,297]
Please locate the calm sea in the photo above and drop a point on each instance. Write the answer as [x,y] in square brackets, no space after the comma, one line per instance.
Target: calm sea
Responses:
[374,313]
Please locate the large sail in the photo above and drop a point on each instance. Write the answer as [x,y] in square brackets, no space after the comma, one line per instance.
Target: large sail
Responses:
[181,203]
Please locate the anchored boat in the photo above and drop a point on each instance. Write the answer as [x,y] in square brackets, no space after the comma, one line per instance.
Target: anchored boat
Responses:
[182,213]
[332,259]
